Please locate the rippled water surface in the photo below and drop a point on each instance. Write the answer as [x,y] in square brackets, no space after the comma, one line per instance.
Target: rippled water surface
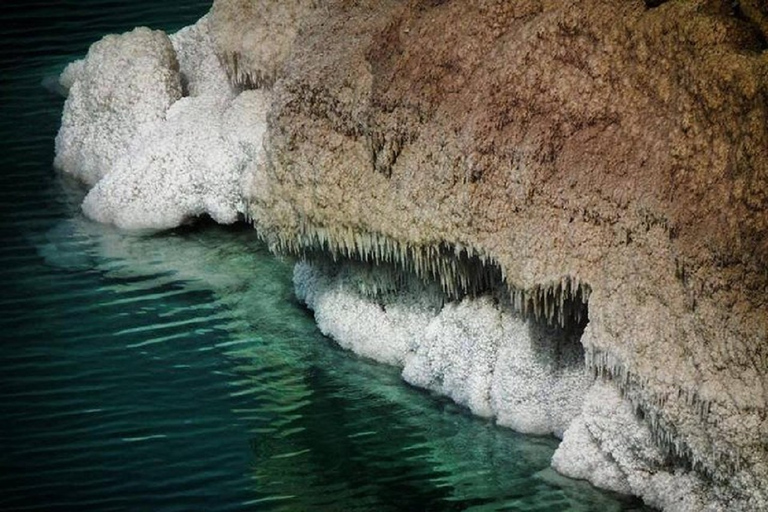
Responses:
[177,372]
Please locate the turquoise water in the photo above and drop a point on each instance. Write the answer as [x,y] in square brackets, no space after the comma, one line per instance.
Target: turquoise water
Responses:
[177,371]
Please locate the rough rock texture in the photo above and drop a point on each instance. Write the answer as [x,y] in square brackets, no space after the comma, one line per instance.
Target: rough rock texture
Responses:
[257,51]
[476,351]
[153,158]
[587,141]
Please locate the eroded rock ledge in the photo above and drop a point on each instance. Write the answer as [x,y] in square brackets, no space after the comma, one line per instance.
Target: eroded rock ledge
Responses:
[622,145]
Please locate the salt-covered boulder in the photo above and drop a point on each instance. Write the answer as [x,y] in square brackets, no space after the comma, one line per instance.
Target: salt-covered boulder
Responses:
[154,160]
[187,166]
[124,86]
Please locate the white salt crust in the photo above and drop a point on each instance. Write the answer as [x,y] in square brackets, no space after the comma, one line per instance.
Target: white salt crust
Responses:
[609,446]
[153,158]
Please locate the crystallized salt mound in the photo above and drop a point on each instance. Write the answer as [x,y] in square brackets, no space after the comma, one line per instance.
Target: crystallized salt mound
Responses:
[125,84]
[187,166]
[613,449]
[487,358]
[476,352]
[184,161]
[385,334]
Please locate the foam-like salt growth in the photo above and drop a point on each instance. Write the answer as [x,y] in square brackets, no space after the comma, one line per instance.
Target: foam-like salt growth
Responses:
[156,160]
[611,447]
[125,84]
[188,166]
[480,354]
[381,332]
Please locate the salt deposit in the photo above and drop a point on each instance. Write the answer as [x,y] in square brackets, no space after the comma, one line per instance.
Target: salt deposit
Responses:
[153,158]
[476,351]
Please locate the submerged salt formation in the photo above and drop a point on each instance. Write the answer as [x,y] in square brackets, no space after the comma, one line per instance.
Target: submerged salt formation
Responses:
[152,124]
[549,155]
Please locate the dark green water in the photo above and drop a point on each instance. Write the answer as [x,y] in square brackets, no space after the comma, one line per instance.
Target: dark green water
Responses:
[177,372]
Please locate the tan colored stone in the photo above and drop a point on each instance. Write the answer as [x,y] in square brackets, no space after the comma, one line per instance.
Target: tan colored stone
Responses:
[257,50]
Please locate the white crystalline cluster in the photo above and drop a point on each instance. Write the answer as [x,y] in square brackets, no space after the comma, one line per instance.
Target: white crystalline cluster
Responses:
[201,72]
[384,333]
[123,87]
[458,351]
[612,448]
[187,166]
[153,158]
[478,353]
[72,73]
[487,358]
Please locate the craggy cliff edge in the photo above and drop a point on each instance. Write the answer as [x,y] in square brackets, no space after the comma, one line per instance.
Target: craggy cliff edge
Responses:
[532,162]
[616,144]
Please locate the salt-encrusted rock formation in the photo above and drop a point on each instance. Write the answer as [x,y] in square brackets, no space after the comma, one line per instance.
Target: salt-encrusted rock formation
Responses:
[260,46]
[559,153]
[614,448]
[615,152]
[153,125]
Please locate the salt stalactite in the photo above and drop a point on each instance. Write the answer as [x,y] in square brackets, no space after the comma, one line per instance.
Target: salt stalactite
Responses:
[634,389]
[254,61]
[460,270]
[612,447]
[241,75]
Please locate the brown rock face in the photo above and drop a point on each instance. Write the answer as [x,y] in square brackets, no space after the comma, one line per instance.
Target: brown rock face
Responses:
[590,141]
